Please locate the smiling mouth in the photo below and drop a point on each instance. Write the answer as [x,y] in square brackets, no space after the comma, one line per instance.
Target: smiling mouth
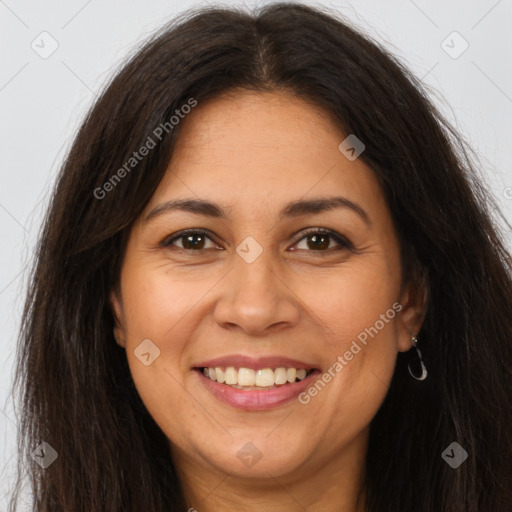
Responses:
[250,379]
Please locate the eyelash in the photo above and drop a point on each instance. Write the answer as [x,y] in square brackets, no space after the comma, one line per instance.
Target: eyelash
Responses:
[342,241]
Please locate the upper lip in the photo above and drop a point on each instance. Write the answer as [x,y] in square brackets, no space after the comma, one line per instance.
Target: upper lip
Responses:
[242,361]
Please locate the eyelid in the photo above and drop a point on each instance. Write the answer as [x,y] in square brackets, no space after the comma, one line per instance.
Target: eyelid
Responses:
[342,241]
[167,241]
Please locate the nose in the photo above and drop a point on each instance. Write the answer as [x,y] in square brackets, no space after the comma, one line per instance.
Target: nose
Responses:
[256,299]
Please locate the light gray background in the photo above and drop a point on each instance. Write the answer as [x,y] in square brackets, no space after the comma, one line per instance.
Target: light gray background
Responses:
[43,101]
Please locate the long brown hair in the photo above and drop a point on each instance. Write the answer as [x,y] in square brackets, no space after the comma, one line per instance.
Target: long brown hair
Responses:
[77,391]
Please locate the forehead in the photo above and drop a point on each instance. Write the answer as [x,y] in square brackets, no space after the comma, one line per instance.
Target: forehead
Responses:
[239,123]
[260,150]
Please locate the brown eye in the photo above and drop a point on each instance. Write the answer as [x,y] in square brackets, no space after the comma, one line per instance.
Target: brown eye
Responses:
[319,240]
[191,240]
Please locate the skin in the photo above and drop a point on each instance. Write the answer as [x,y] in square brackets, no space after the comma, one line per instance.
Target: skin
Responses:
[252,154]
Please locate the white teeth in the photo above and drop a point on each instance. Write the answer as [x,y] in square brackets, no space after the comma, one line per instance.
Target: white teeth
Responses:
[249,378]
[220,375]
[264,378]
[246,377]
[301,373]
[231,375]
[280,376]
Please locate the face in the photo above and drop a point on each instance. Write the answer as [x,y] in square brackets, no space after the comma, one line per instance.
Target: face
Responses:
[270,287]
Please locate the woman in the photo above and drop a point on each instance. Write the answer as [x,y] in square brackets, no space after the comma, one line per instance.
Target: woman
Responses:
[268,280]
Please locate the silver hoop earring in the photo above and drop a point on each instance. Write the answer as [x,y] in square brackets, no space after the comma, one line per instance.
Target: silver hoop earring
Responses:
[416,350]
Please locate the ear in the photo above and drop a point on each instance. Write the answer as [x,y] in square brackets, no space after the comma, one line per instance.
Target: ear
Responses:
[414,300]
[117,310]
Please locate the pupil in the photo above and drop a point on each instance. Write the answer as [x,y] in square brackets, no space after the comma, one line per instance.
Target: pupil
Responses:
[189,239]
[316,238]
[318,241]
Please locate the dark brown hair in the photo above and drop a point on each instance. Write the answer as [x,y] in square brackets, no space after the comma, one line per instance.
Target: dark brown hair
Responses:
[77,392]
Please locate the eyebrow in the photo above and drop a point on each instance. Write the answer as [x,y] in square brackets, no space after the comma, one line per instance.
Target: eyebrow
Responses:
[293,209]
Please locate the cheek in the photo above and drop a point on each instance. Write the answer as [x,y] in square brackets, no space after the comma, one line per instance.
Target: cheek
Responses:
[155,310]
[360,327]
[353,299]
[156,302]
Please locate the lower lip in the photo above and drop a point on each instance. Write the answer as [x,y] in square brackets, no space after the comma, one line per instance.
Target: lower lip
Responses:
[256,400]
